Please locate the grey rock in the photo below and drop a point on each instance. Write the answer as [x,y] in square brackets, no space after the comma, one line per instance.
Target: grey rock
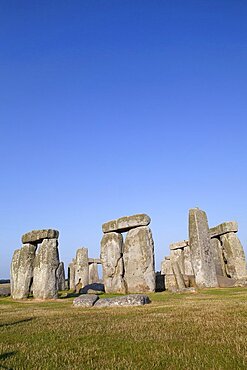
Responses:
[177,256]
[170,282]
[5,290]
[85,300]
[225,227]
[179,245]
[112,262]
[93,273]
[61,276]
[234,256]
[226,282]
[94,260]
[126,223]
[178,275]
[138,257]
[22,271]
[37,236]
[166,267]
[71,274]
[81,267]
[188,268]
[45,266]
[217,253]
[201,256]
[128,300]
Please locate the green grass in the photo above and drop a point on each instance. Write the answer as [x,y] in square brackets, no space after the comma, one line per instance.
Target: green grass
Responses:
[207,330]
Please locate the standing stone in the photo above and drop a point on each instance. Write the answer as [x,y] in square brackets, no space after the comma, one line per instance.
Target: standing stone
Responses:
[166,269]
[71,274]
[199,241]
[45,266]
[178,275]
[218,257]
[22,271]
[234,254]
[81,270]
[112,262]
[61,276]
[188,269]
[93,273]
[139,260]
[177,256]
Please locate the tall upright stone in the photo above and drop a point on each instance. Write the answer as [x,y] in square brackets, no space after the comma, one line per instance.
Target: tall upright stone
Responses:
[61,276]
[217,253]
[138,257]
[22,271]
[45,267]
[188,269]
[71,274]
[166,269]
[81,270]
[93,273]
[199,241]
[112,262]
[234,255]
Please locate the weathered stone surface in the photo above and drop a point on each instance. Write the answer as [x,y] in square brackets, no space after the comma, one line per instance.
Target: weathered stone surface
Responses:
[94,260]
[166,267]
[22,271]
[188,269]
[226,282]
[112,262]
[170,282]
[60,276]
[128,300]
[225,227]
[93,273]
[126,223]
[138,257]
[81,267]
[177,256]
[178,275]
[217,253]
[201,256]
[85,300]
[71,274]
[234,255]
[4,290]
[45,266]
[179,245]
[99,287]
[37,236]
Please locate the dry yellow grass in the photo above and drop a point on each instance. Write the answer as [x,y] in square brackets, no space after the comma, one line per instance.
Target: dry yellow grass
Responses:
[207,330]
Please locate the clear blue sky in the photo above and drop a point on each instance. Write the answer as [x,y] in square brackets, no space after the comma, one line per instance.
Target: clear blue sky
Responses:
[110,108]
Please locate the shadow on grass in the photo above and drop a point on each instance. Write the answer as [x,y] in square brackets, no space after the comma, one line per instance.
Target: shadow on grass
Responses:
[15,323]
[4,356]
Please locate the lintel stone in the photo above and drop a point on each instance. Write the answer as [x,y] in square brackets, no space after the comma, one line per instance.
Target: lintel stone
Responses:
[126,223]
[224,228]
[37,236]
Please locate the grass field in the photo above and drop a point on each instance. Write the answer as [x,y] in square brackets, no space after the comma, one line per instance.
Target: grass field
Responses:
[207,330]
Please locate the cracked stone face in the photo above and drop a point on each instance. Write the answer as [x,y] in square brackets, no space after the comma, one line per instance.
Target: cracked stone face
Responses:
[138,257]
[112,262]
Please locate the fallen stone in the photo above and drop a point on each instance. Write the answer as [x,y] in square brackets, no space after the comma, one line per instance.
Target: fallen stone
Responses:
[85,300]
[126,223]
[112,262]
[22,266]
[37,236]
[45,266]
[201,255]
[225,227]
[138,256]
[128,300]
[234,255]
[179,245]
[185,290]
